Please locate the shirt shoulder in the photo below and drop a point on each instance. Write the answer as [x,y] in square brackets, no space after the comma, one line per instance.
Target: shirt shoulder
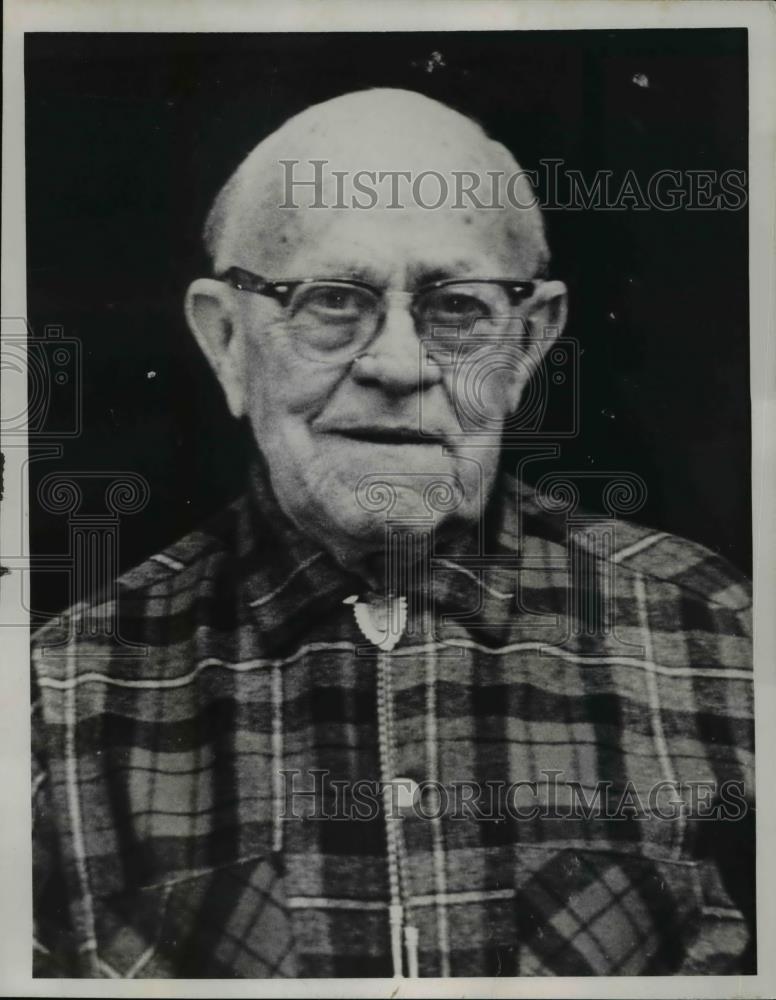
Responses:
[693,568]
[660,557]
[152,605]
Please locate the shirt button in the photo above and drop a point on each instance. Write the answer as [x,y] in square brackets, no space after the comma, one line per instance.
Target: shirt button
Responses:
[402,792]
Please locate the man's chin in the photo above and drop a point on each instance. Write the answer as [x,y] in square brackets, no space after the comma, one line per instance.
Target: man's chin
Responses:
[346,505]
[377,502]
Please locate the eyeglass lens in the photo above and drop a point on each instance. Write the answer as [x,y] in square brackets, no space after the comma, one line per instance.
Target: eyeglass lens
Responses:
[335,321]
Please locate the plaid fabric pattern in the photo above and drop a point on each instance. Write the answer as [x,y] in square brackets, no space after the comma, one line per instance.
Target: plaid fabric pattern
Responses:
[187,818]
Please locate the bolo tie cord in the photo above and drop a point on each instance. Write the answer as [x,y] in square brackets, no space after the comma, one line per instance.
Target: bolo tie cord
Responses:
[383,632]
[397,852]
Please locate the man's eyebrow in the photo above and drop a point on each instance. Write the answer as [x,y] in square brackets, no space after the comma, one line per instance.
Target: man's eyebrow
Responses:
[427,275]
[459,268]
[357,272]
[422,274]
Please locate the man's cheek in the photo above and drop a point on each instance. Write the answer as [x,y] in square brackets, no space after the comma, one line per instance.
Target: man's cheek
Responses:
[281,383]
[504,387]
[485,387]
[482,407]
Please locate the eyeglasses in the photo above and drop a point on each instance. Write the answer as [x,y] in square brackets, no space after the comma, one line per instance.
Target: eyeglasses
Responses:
[335,319]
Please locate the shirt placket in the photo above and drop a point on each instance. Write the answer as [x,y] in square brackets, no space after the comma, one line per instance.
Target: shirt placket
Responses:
[416,856]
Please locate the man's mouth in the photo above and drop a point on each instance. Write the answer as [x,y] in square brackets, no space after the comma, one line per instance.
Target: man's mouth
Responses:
[389,435]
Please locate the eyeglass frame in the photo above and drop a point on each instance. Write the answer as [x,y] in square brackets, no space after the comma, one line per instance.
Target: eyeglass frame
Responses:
[281,290]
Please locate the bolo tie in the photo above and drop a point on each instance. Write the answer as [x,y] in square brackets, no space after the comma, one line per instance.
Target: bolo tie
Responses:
[382,622]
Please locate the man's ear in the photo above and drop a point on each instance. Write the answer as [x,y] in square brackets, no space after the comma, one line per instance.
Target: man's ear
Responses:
[210,315]
[545,317]
[546,311]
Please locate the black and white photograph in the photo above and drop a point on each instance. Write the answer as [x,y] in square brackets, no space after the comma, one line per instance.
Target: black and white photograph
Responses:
[384,481]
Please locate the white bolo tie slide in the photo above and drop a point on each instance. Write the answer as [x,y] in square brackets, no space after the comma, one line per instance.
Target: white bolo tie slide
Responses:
[382,620]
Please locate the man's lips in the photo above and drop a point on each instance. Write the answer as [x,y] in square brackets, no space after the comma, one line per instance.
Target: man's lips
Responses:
[384,434]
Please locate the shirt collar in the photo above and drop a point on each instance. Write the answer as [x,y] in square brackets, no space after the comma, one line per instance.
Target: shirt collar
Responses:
[292,583]
[289,578]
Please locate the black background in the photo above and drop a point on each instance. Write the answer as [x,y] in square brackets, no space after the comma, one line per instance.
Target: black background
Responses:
[129,136]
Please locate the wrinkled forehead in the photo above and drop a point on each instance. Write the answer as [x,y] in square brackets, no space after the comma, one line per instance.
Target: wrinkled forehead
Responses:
[387,172]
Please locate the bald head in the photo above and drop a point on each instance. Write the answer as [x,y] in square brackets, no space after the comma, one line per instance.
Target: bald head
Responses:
[373,134]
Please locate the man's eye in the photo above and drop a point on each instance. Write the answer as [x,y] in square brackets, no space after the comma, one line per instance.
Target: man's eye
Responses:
[458,303]
[332,302]
[454,305]
[331,299]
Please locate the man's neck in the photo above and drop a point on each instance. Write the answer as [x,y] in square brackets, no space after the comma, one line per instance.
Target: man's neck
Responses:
[399,560]
[387,563]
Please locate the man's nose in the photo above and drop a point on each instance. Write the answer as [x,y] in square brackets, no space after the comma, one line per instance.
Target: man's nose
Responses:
[396,359]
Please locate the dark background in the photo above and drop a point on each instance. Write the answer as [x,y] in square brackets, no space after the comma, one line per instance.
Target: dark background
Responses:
[129,136]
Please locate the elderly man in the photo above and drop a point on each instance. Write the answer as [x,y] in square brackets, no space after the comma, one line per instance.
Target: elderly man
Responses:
[364,723]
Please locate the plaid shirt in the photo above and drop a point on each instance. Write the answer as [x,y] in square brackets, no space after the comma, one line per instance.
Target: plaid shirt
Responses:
[172,834]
